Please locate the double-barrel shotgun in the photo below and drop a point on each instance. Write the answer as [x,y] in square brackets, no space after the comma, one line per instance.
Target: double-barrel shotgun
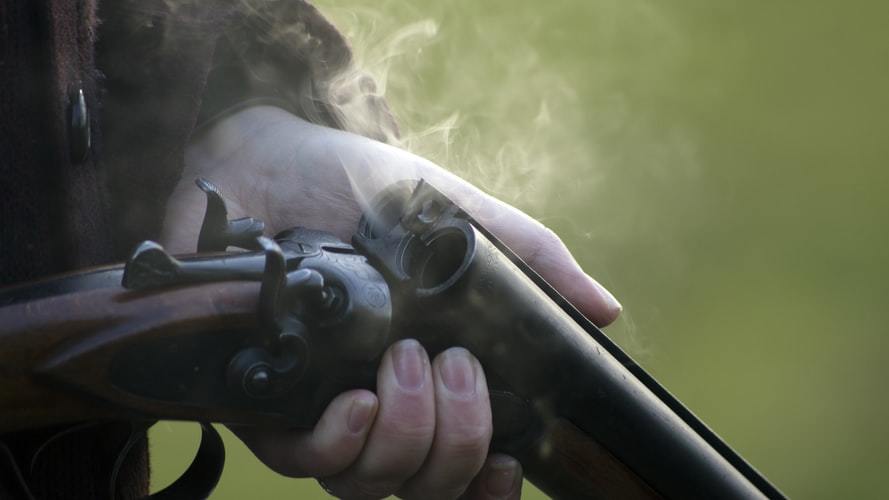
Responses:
[270,334]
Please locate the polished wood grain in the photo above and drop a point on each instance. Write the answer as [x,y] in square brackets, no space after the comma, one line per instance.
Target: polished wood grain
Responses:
[39,339]
[567,463]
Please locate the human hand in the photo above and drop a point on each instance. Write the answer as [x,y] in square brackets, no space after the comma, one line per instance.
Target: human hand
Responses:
[426,431]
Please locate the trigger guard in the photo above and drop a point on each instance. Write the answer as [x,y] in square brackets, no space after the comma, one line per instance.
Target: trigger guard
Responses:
[202,476]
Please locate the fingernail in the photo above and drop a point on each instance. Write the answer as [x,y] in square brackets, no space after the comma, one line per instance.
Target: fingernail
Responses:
[613,305]
[360,414]
[457,371]
[502,475]
[410,364]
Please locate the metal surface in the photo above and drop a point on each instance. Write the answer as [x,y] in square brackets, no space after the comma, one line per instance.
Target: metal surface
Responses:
[530,338]
[79,134]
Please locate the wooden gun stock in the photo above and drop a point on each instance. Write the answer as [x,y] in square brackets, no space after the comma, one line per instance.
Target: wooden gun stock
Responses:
[570,464]
[42,383]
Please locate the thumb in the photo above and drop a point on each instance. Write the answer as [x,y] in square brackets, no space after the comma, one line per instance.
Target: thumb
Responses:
[545,252]
[534,243]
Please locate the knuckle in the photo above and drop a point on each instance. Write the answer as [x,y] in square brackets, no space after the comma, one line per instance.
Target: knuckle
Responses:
[319,459]
[470,441]
[326,464]
[409,442]
[547,244]
[407,427]
[551,240]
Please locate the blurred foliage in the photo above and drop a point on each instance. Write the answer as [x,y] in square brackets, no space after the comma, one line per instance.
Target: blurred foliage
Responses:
[721,166]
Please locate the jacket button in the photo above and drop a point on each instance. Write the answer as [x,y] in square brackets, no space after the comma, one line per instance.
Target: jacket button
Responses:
[78,128]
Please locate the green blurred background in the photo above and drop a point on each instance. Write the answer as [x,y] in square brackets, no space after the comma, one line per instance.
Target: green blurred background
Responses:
[720,166]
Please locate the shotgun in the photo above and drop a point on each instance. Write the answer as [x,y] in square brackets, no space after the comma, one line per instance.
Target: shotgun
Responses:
[271,334]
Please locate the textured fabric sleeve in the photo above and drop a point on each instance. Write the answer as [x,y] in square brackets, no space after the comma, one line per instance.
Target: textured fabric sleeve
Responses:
[155,56]
[148,68]
[287,54]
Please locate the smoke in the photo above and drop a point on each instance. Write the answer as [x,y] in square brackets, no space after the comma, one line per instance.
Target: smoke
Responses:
[504,125]
[509,121]
[541,131]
